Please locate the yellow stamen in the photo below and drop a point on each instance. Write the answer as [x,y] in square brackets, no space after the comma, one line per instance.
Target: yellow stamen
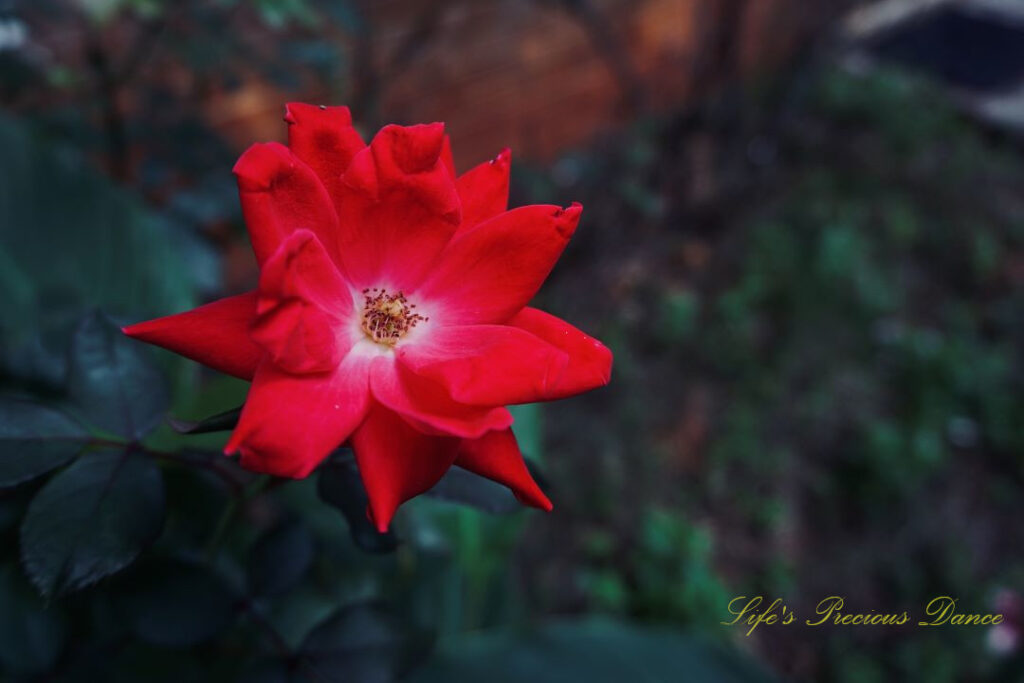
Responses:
[387,317]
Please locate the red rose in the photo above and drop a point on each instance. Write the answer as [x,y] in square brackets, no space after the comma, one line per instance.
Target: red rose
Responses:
[390,313]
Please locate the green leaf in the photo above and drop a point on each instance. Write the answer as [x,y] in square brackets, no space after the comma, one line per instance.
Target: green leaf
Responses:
[339,485]
[460,486]
[11,510]
[140,662]
[280,558]
[196,500]
[271,670]
[362,642]
[35,439]
[69,235]
[177,604]
[595,650]
[32,635]
[529,428]
[91,520]
[113,381]
[221,422]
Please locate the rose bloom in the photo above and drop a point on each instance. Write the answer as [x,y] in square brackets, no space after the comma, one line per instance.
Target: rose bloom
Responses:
[391,312]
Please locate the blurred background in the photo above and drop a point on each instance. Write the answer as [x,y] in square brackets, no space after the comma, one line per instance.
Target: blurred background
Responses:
[803,238]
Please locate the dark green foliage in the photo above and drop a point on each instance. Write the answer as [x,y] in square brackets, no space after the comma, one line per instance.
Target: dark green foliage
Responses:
[177,604]
[91,520]
[112,381]
[35,439]
[280,558]
[466,488]
[339,485]
[599,651]
[32,635]
[220,422]
[70,239]
[361,642]
[817,371]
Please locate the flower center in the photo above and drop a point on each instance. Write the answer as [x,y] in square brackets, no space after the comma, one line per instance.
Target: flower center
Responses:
[388,317]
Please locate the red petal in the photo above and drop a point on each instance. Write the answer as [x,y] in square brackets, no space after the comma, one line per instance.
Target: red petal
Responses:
[401,208]
[216,334]
[590,361]
[396,462]
[304,305]
[484,190]
[299,338]
[487,364]
[427,405]
[323,137]
[446,156]
[290,423]
[490,272]
[302,269]
[496,456]
[280,194]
